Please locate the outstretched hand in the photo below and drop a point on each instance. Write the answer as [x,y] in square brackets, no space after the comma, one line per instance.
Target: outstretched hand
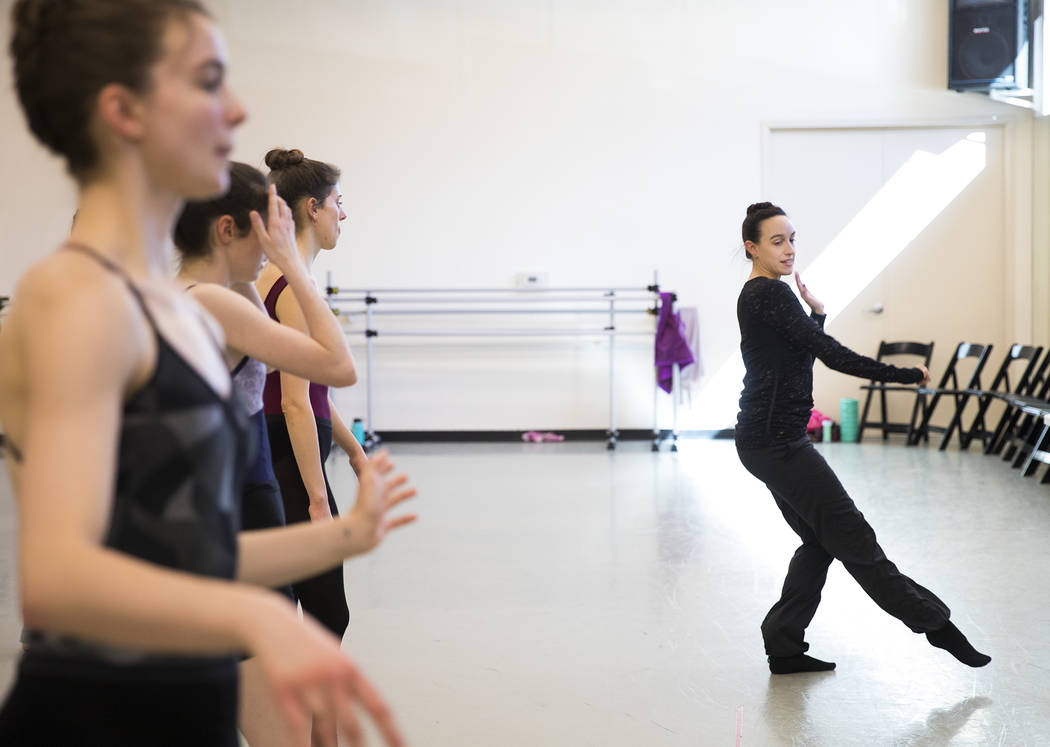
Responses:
[378,492]
[809,298]
[276,235]
[925,375]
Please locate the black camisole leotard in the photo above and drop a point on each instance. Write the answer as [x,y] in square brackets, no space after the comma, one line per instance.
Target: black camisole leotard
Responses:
[181,457]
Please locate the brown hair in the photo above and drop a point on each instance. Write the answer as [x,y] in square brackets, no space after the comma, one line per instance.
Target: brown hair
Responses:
[298,177]
[66,51]
[247,192]
[751,230]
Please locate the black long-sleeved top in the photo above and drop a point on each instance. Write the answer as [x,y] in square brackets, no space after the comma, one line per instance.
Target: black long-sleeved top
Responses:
[778,342]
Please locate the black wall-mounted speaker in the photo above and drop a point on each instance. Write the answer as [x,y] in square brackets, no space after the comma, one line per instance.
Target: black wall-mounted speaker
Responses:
[988,45]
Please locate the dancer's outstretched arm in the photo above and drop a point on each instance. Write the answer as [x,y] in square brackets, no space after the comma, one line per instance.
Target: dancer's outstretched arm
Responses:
[775,304]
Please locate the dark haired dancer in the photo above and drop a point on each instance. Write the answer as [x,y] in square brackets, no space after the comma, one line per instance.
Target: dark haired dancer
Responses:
[778,342]
[302,420]
[221,245]
[135,587]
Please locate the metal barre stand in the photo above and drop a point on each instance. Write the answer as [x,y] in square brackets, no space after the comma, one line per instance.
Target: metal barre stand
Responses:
[4,301]
[443,300]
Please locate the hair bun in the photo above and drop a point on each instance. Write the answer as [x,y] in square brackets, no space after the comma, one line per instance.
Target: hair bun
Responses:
[752,209]
[32,20]
[279,158]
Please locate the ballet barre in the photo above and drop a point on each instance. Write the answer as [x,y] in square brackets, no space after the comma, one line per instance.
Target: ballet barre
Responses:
[608,301]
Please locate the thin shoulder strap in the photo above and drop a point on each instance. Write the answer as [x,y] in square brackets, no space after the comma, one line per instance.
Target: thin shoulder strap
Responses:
[211,335]
[8,445]
[116,269]
[275,291]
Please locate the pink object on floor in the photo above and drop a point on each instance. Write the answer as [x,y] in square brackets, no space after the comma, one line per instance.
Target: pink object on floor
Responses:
[816,420]
[537,437]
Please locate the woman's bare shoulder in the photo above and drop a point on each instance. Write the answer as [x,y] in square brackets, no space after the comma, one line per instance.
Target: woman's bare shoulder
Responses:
[71,298]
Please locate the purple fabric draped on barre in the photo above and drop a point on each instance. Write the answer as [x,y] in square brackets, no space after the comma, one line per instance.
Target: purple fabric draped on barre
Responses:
[672,346]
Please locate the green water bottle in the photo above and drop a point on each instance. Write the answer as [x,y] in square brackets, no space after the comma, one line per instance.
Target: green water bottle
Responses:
[848,419]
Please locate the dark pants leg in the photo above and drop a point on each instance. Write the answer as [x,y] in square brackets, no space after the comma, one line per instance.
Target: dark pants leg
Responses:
[74,710]
[819,510]
[324,595]
[262,508]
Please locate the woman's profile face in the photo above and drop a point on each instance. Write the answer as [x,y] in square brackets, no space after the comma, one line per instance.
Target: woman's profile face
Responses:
[329,215]
[189,113]
[774,254]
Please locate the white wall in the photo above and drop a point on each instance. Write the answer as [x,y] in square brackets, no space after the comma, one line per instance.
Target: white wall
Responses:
[596,141]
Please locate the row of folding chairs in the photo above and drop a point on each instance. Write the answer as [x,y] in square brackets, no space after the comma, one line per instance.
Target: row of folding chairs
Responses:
[1021,383]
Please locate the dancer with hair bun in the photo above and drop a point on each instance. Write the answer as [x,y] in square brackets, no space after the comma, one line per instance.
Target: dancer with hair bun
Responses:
[222,244]
[303,421]
[301,418]
[779,342]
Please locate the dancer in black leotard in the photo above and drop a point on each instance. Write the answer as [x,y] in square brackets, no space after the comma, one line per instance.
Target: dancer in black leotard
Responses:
[132,576]
[779,343]
[175,424]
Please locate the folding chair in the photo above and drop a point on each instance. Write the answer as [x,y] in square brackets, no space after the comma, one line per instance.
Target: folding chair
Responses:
[1013,434]
[1038,452]
[1000,386]
[949,386]
[887,349]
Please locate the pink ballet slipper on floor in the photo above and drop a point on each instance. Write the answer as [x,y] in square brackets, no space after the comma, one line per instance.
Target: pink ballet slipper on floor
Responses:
[537,437]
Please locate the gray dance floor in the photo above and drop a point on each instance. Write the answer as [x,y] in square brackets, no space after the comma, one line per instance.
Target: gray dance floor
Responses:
[558,594]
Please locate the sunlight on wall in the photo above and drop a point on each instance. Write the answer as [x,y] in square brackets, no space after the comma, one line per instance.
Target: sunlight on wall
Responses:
[907,203]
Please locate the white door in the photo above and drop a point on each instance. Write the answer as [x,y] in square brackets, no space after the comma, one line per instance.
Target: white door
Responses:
[909,220]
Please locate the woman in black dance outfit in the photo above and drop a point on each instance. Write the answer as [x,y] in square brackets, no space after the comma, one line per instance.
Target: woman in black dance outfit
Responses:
[131,571]
[779,342]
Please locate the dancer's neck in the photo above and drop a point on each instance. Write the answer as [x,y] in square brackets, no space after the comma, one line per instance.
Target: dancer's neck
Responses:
[121,217]
[210,269]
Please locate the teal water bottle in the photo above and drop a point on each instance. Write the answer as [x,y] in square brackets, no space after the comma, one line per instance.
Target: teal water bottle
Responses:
[826,430]
[358,429]
[848,419]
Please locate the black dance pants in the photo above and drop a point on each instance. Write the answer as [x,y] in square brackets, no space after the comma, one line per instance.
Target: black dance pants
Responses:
[262,508]
[818,509]
[54,703]
[324,595]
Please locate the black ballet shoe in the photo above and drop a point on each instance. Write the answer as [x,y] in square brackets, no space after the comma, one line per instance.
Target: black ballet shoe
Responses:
[951,639]
[798,663]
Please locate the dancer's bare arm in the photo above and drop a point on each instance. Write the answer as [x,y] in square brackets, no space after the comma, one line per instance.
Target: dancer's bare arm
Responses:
[299,418]
[274,557]
[318,350]
[81,350]
[346,440]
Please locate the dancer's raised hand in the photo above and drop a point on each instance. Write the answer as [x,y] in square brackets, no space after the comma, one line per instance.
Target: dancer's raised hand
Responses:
[276,235]
[809,298]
